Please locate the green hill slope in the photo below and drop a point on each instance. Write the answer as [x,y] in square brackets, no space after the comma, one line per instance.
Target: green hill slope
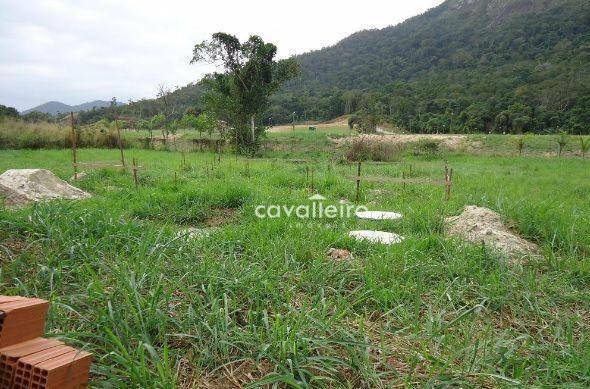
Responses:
[464,66]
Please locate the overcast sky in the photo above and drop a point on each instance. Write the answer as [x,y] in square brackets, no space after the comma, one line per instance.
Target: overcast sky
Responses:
[76,51]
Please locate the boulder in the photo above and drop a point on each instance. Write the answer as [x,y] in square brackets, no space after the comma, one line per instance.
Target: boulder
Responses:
[22,186]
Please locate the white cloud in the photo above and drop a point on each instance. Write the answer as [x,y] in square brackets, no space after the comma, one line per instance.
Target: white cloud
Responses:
[78,50]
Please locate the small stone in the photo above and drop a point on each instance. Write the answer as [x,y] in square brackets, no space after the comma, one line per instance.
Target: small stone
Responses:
[339,254]
[79,176]
[379,215]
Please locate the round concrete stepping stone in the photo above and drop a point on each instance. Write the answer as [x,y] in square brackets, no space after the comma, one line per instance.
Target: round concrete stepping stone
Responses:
[377,237]
[378,215]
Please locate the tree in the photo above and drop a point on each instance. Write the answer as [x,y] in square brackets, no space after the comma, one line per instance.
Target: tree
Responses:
[8,111]
[353,120]
[242,92]
[367,121]
[200,123]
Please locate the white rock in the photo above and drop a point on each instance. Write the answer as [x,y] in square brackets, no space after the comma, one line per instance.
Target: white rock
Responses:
[79,176]
[195,233]
[378,215]
[21,186]
[317,197]
[377,237]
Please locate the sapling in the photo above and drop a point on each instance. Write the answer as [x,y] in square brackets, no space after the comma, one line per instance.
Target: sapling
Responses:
[520,144]
[561,142]
[584,145]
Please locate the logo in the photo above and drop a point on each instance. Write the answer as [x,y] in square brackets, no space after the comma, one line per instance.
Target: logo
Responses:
[315,210]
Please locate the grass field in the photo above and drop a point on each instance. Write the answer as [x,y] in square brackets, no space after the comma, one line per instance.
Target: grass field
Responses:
[259,302]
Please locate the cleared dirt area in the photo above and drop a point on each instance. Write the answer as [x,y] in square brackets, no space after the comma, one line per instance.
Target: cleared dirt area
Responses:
[339,121]
[450,141]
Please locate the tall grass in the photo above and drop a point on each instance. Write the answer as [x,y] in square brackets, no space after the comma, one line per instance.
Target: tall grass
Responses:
[258,302]
[18,134]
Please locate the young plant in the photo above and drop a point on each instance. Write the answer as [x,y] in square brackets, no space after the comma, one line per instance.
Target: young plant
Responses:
[584,145]
[562,141]
[520,144]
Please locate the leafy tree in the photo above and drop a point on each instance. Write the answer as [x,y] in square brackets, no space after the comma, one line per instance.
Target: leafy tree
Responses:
[157,120]
[367,121]
[202,122]
[36,117]
[353,120]
[172,127]
[242,92]
[8,111]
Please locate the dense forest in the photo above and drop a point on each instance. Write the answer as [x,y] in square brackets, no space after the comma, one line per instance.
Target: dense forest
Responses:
[464,66]
[479,65]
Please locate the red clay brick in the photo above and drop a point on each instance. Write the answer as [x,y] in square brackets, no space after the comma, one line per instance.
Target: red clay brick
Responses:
[64,371]
[10,355]
[21,320]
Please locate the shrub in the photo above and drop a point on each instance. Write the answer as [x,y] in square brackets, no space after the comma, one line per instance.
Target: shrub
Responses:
[369,149]
[426,148]
[584,145]
[520,144]
[562,141]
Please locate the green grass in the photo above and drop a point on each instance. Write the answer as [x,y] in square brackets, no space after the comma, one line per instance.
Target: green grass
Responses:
[259,300]
[533,144]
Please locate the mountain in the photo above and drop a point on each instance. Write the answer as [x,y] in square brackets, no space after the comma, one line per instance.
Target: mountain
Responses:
[56,107]
[464,66]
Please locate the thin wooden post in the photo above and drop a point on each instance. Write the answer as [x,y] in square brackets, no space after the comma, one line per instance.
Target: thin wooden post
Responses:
[448,182]
[119,141]
[73,142]
[134,169]
[306,174]
[312,183]
[358,182]
[175,178]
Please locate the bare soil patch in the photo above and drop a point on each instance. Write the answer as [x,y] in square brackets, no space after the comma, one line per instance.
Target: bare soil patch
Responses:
[221,216]
[480,225]
[22,186]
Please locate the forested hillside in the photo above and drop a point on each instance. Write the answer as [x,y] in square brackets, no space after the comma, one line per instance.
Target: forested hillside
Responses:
[467,65]
[464,66]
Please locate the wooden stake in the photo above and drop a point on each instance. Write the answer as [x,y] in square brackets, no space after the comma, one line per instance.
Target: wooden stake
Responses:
[448,182]
[312,183]
[73,141]
[358,182]
[134,169]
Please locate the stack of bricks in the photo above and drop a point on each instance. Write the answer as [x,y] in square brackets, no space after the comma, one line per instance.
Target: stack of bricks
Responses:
[28,361]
